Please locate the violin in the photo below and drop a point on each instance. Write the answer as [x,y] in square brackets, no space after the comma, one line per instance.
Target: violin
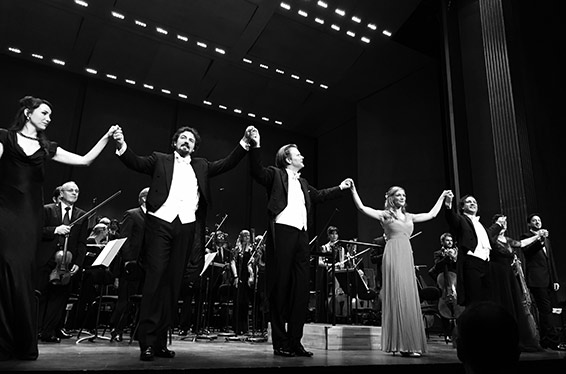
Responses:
[61,275]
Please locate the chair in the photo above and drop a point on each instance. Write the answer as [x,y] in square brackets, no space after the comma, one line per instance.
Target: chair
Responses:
[429,296]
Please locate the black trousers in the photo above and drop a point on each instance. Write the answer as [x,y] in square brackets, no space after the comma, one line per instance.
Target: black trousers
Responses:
[476,279]
[543,300]
[166,249]
[290,296]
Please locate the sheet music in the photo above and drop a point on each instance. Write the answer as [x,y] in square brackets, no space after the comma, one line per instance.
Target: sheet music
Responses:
[208,257]
[109,252]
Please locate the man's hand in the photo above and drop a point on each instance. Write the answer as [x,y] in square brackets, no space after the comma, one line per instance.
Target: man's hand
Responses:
[347,183]
[118,136]
[62,229]
[251,136]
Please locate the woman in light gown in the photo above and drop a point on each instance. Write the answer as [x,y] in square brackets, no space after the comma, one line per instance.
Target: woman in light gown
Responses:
[402,327]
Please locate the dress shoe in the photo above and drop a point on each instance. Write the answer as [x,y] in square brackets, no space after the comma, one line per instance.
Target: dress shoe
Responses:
[302,352]
[283,352]
[147,354]
[183,332]
[62,334]
[50,339]
[164,352]
[116,335]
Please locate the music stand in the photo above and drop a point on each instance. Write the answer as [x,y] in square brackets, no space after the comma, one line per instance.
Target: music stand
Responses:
[100,274]
[208,261]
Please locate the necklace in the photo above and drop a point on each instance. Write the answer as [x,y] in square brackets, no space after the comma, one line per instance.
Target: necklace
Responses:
[28,137]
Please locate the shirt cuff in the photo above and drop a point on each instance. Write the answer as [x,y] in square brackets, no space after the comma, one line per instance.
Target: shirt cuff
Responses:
[121,151]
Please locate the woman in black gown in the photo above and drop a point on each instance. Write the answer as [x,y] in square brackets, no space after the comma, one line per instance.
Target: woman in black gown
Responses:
[24,149]
[508,285]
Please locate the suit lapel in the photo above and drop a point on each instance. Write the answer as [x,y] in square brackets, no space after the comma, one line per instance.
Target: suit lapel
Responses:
[168,165]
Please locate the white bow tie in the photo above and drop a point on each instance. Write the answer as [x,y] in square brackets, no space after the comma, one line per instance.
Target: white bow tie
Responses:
[296,175]
[186,160]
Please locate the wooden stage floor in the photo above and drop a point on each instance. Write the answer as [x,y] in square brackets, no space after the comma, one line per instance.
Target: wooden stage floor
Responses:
[220,355]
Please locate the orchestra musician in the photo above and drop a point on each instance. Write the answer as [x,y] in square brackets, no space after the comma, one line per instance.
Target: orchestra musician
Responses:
[444,274]
[52,265]
[242,256]
[256,269]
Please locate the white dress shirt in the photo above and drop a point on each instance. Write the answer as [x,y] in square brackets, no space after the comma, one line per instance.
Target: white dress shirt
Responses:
[295,213]
[483,248]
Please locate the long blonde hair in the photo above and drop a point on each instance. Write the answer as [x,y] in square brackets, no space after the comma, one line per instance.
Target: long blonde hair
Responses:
[389,205]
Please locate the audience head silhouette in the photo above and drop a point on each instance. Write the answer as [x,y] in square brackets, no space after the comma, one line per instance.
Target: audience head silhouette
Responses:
[488,339]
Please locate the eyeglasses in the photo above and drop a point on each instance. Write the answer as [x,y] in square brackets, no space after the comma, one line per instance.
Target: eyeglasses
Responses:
[71,190]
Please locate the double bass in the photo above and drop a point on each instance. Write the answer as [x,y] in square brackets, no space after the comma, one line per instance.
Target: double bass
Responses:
[447,304]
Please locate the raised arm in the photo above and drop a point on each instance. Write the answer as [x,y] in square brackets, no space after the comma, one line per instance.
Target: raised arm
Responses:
[421,217]
[65,157]
[542,233]
[373,213]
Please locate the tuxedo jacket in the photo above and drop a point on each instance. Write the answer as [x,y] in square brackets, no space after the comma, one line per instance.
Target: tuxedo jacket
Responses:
[51,242]
[276,182]
[462,229]
[540,269]
[160,167]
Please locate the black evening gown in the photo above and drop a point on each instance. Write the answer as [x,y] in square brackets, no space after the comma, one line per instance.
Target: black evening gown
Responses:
[21,216]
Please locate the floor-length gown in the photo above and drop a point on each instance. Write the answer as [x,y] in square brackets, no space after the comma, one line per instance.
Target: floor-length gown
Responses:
[402,326]
[21,214]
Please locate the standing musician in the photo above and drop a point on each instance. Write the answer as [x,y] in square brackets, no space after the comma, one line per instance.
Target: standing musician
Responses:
[61,254]
[444,274]
[242,256]
[256,269]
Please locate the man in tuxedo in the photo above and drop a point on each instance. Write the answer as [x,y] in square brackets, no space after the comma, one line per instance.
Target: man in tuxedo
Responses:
[177,201]
[290,199]
[55,287]
[131,227]
[472,279]
[542,280]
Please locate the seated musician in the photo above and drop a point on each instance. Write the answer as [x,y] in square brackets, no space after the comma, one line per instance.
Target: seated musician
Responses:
[444,274]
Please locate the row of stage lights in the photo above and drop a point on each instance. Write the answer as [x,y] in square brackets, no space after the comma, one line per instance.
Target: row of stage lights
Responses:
[339,12]
[150,87]
[264,67]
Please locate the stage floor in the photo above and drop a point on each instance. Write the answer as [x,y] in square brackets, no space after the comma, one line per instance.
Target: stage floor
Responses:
[220,355]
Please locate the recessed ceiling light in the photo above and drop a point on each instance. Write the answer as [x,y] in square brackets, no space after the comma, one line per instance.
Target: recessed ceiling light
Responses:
[295,76]
[303,13]
[165,91]
[335,27]
[280,71]
[35,55]
[59,62]
[351,33]
[201,44]
[265,119]
[251,115]
[111,76]
[183,38]
[285,6]
[148,86]
[15,50]
[279,122]
[81,3]
[129,81]
[182,96]
[220,50]
[365,39]
[161,30]
[223,107]
[340,12]
[372,26]
[118,15]
[324,86]
[140,23]
[91,71]
[322,4]
[356,19]
[319,20]
[386,33]
[246,60]
[239,111]
[206,102]
[263,66]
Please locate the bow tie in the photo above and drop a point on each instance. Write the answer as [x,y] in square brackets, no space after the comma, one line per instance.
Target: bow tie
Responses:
[186,160]
[475,218]
[296,176]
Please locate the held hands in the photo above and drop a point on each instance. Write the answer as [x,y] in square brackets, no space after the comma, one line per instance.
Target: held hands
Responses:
[251,137]
[118,136]
[112,130]
[542,233]
[448,197]
[347,183]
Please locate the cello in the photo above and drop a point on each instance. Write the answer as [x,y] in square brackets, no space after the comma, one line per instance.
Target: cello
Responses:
[447,303]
